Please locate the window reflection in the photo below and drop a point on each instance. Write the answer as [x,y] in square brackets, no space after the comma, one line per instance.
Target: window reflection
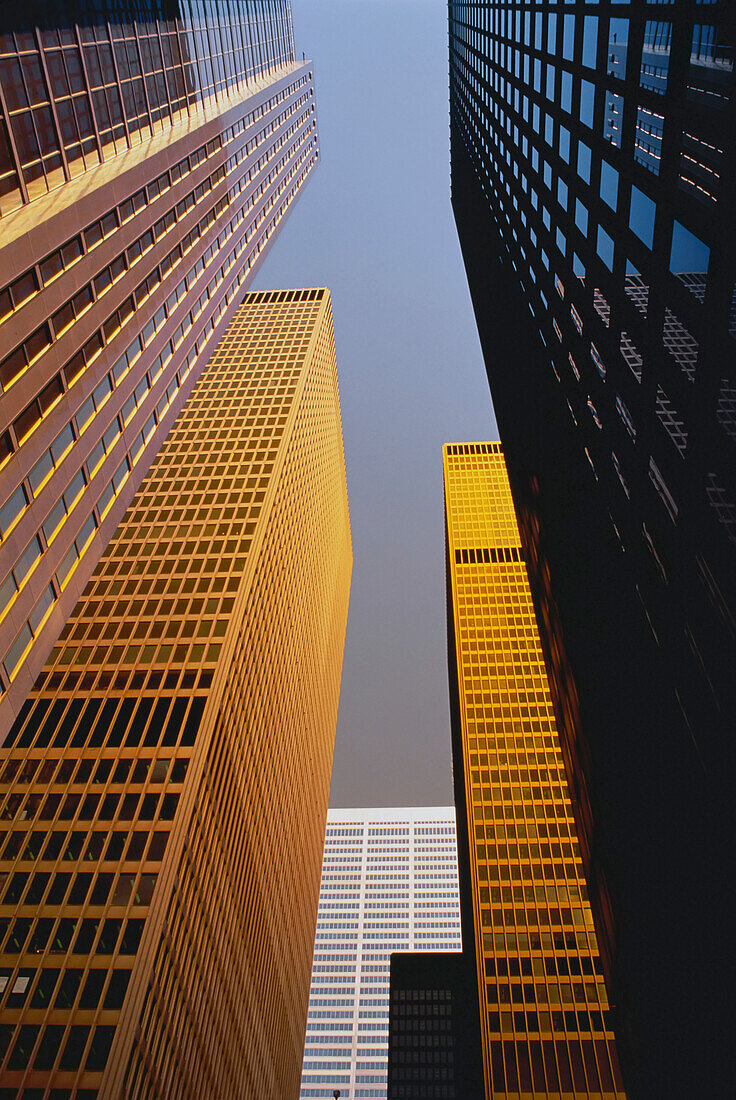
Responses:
[655,57]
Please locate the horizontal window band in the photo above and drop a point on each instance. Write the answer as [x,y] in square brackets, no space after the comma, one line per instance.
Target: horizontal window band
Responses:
[489,555]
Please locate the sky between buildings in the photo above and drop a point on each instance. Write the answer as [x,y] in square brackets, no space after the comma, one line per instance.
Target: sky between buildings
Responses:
[374,224]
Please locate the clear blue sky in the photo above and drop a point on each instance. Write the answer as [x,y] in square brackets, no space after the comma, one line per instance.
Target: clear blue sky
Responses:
[374,224]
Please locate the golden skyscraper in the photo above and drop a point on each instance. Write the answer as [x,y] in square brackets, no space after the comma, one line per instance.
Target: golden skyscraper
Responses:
[544,1014]
[164,791]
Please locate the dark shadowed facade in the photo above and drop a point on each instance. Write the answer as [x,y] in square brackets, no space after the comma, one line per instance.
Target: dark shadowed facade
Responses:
[148,153]
[592,188]
[433,1040]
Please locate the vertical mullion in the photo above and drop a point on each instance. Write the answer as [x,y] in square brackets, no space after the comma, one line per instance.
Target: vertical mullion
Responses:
[290,29]
[62,150]
[14,149]
[258,43]
[209,35]
[250,49]
[272,32]
[193,33]
[163,70]
[240,49]
[144,74]
[120,86]
[85,75]
[183,70]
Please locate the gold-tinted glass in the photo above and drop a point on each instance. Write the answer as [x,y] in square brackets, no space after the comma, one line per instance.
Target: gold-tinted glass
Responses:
[545,1016]
[164,792]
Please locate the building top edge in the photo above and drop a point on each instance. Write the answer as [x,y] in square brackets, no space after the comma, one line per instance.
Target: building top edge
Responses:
[470,446]
[90,193]
[390,813]
[291,294]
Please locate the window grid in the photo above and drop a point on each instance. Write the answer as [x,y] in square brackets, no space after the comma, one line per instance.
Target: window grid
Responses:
[545,1015]
[122,758]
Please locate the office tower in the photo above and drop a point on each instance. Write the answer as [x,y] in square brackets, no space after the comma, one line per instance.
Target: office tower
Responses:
[545,1022]
[433,1037]
[592,186]
[159,902]
[148,153]
[389,883]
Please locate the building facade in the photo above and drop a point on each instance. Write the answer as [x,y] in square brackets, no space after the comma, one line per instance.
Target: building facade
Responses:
[592,186]
[148,153]
[434,1038]
[158,904]
[546,1024]
[389,883]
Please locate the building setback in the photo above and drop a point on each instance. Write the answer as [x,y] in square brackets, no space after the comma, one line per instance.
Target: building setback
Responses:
[159,905]
[593,187]
[546,1025]
[389,883]
[147,157]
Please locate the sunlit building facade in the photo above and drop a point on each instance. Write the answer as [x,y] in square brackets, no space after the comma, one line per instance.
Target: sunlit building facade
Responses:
[545,1020]
[389,883]
[148,153]
[158,904]
[592,184]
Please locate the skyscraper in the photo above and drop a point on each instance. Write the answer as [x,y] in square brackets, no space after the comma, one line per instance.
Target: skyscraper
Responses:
[389,883]
[592,188]
[545,1022]
[434,1034]
[148,153]
[164,789]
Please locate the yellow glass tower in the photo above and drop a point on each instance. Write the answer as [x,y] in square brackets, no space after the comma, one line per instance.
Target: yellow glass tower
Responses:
[544,1014]
[164,790]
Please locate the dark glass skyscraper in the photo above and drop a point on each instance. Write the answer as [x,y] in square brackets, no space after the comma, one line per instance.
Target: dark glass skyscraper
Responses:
[148,153]
[592,188]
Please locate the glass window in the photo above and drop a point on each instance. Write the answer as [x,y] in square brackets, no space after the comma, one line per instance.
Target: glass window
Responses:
[655,55]
[587,103]
[565,144]
[14,655]
[581,217]
[54,520]
[609,184]
[61,444]
[41,471]
[85,413]
[568,37]
[618,36]
[73,491]
[590,40]
[614,119]
[44,603]
[12,510]
[23,288]
[102,391]
[27,560]
[711,64]
[604,247]
[584,161]
[688,253]
[641,216]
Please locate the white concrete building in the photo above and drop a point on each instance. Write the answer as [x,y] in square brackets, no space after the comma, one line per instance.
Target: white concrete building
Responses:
[389,883]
